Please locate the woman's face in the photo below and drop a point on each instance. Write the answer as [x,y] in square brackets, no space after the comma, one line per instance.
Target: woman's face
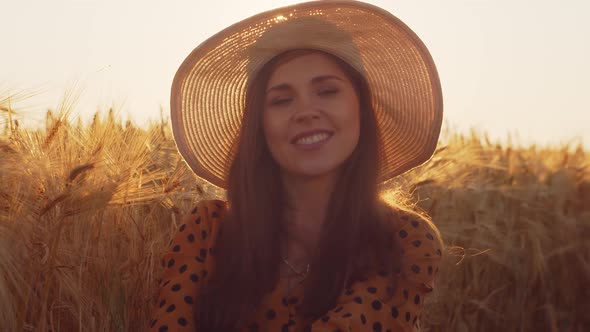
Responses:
[311,116]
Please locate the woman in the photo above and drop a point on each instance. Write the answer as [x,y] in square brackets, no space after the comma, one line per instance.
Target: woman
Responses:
[302,113]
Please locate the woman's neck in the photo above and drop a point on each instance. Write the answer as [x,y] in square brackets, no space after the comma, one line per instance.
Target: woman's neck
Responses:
[307,203]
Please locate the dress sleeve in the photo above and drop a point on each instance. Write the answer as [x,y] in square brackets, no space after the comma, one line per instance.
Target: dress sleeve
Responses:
[365,306]
[186,263]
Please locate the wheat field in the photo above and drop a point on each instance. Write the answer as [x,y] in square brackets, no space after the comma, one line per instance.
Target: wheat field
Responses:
[86,211]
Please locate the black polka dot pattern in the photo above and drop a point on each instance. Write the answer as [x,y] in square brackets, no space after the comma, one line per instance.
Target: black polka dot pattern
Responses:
[182,272]
[377,327]
[271,314]
[368,311]
[363,305]
[376,305]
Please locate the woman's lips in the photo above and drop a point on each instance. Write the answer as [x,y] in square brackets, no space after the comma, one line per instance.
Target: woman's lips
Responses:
[313,146]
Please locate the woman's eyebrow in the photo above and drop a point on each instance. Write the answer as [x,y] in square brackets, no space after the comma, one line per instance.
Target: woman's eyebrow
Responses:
[279,87]
[322,78]
[315,80]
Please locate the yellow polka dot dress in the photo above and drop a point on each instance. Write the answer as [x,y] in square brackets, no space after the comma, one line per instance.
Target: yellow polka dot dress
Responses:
[190,258]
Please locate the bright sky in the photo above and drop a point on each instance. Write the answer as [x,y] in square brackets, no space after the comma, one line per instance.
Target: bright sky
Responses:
[506,66]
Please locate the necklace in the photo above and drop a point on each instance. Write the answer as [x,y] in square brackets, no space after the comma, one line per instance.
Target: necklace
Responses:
[301,274]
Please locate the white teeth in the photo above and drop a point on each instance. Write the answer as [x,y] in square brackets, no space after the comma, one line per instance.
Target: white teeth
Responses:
[312,139]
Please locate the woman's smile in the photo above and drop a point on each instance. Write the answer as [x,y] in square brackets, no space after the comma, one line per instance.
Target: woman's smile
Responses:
[311,116]
[313,141]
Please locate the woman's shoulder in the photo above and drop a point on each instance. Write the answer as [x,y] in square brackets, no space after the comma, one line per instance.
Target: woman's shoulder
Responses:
[207,210]
[202,221]
[187,263]
[409,224]
[420,243]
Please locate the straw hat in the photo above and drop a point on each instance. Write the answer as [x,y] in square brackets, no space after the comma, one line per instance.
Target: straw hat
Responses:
[208,91]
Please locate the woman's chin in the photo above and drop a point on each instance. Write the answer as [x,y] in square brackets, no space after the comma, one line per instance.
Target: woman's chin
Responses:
[310,173]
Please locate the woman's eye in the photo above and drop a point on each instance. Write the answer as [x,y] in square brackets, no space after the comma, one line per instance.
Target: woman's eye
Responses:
[328,91]
[280,101]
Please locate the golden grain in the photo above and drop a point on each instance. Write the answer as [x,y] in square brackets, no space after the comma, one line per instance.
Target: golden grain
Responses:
[87,211]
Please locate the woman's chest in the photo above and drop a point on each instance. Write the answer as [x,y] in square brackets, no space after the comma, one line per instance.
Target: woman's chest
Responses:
[278,310]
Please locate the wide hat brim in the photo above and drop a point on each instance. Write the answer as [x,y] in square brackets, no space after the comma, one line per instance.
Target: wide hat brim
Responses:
[208,91]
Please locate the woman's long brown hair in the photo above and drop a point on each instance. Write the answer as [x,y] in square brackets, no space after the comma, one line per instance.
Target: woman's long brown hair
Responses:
[354,240]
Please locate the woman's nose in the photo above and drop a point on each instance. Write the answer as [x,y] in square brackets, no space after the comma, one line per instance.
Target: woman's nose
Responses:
[304,116]
[306,111]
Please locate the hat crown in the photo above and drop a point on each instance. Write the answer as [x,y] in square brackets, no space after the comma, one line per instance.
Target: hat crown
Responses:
[286,33]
